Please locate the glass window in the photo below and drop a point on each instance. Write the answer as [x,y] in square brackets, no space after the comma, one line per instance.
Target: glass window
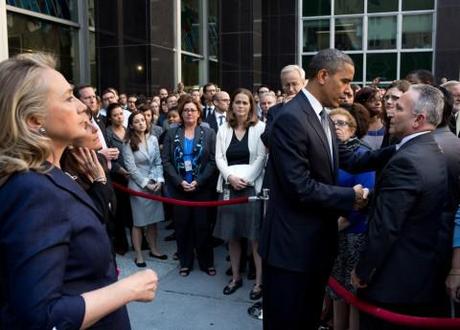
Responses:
[190,21]
[306,61]
[190,70]
[417,4]
[378,6]
[417,31]
[92,58]
[348,7]
[213,29]
[315,35]
[214,73]
[26,34]
[349,33]
[381,65]
[414,61]
[66,9]
[91,14]
[358,60]
[316,7]
[382,32]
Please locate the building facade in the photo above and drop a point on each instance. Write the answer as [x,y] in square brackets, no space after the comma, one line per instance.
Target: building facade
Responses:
[140,46]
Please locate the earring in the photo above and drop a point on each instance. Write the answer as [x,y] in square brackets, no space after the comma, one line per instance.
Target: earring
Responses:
[42,131]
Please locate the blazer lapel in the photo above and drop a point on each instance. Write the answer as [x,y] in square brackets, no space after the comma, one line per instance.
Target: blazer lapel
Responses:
[196,136]
[64,182]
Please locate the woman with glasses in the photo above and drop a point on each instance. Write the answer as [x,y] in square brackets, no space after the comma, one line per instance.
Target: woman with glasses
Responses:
[371,99]
[392,95]
[350,126]
[190,170]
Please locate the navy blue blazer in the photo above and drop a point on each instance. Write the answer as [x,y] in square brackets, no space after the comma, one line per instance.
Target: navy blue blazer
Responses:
[53,248]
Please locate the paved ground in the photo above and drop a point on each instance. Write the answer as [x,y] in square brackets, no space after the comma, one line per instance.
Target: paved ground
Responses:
[194,302]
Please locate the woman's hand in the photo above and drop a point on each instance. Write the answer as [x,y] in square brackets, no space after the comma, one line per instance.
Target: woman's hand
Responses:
[188,187]
[88,164]
[236,182]
[142,285]
[154,186]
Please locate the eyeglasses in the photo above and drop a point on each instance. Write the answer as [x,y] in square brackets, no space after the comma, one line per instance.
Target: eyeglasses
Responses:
[340,123]
[392,97]
[190,110]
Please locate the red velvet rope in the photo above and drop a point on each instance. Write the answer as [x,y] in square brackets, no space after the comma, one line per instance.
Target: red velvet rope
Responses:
[392,317]
[239,200]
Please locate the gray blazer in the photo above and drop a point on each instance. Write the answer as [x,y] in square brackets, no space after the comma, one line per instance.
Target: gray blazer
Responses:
[144,164]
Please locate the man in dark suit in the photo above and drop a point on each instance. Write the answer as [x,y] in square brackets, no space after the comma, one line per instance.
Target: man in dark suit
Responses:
[410,236]
[292,81]
[221,101]
[299,235]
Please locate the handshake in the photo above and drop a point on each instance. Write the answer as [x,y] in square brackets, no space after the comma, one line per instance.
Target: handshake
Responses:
[361,194]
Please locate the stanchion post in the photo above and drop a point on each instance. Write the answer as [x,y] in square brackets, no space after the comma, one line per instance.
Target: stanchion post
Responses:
[265,197]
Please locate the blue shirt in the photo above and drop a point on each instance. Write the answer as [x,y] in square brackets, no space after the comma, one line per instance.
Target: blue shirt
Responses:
[188,157]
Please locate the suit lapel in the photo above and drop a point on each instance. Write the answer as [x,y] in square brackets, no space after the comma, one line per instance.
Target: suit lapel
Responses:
[64,182]
[314,121]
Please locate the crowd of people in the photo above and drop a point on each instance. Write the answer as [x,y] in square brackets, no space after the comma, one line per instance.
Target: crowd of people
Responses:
[364,186]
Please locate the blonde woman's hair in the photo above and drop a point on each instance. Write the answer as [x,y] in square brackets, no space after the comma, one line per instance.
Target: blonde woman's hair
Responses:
[23,95]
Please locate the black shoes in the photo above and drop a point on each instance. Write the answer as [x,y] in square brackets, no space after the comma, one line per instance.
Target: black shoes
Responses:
[256,311]
[184,272]
[161,256]
[232,286]
[140,264]
[256,292]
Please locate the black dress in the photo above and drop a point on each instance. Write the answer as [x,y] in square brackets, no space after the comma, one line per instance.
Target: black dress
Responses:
[241,220]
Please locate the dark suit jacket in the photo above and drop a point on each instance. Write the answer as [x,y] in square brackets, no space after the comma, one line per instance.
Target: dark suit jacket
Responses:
[211,120]
[410,240]
[53,248]
[273,112]
[450,147]
[300,229]
[208,171]
[113,141]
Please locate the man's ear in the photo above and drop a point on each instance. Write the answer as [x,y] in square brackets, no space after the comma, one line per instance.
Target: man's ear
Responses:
[322,76]
[419,121]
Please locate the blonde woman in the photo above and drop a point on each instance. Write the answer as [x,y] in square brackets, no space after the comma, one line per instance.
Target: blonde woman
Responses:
[56,265]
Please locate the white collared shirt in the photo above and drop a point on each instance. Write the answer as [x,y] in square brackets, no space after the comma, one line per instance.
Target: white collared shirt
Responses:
[218,114]
[314,103]
[410,137]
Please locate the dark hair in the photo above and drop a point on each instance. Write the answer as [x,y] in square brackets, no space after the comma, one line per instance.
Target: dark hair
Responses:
[131,137]
[77,90]
[252,115]
[423,76]
[205,87]
[109,111]
[330,59]
[365,94]
[185,99]
[448,106]
[361,116]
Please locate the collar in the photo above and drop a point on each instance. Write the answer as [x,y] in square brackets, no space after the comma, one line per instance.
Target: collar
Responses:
[409,137]
[315,104]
